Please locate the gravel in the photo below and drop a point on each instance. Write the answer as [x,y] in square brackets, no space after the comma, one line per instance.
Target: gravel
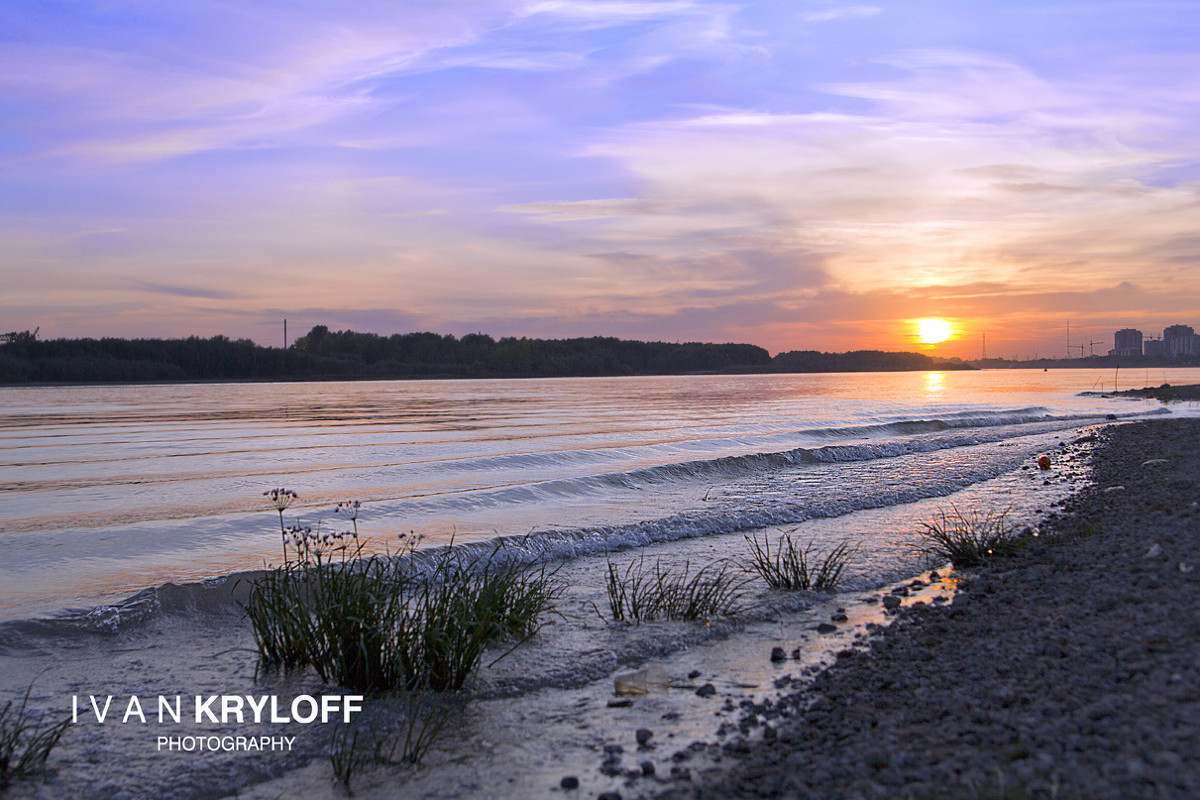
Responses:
[1071,670]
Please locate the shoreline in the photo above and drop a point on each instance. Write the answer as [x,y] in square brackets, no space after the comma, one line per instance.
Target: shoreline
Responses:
[1066,671]
[516,746]
[1165,393]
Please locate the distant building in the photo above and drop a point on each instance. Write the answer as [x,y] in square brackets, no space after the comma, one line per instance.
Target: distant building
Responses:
[1127,342]
[1154,347]
[1180,340]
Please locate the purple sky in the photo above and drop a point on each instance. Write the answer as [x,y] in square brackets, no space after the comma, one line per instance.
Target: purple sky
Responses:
[800,175]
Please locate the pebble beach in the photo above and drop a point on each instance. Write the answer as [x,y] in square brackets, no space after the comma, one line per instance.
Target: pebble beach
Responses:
[1070,670]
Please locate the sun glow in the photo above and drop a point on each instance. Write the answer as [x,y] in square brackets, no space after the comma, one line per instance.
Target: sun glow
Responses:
[932,331]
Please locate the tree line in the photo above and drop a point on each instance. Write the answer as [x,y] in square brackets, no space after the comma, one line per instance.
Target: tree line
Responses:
[322,354]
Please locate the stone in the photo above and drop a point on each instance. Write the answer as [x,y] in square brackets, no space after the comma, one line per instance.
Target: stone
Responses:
[643,736]
[707,690]
[569,782]
[778,654]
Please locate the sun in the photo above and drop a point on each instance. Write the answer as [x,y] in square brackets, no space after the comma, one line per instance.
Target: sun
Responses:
[932,331]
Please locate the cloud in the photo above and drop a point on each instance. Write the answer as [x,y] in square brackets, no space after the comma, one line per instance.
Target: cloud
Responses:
[576,210]
[841,12]
[608,12]
[249,76]
[183,291]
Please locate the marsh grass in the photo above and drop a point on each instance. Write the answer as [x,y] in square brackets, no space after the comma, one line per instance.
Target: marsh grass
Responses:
[649,592]
[796,568]
[25,742]
[449,616]
[377,623]
[969,538]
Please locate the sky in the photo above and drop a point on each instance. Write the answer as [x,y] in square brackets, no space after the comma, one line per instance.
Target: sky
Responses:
[811,174]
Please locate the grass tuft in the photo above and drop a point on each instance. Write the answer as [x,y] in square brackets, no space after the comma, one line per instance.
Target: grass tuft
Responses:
[969,538]
[377,623]
[794,568]
[646,593]
[25,742]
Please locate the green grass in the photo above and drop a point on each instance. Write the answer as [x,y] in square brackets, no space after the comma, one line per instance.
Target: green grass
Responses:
[25,742]
[650,592]
[372,624]
[796,568]
[969,538]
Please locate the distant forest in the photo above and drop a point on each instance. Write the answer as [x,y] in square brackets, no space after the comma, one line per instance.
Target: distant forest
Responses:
[322,354]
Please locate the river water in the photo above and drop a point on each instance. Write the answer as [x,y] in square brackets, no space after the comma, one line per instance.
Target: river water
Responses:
[108,492]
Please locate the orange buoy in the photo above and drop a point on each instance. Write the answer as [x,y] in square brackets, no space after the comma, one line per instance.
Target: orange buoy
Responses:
[1044,462]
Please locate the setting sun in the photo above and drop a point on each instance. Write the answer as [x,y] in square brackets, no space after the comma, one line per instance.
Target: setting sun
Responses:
[933,331]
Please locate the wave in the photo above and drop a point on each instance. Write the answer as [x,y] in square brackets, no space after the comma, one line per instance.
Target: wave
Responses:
[881,441]
[226,593]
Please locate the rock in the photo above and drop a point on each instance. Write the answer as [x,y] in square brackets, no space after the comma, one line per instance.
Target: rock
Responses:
[1154,552]
[840,617]
[569,782]
[825,627]
[620,702]
[796,654]
[643,735]
[609,796]
[707,690]
[647,768]
[891,601]
[680,773]
[694,674]
[778,654]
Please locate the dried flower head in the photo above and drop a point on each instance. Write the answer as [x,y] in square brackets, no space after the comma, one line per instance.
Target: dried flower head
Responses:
[281,498]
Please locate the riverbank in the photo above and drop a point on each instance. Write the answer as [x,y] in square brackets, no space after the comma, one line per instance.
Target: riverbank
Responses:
[1068,671]
[1166,393]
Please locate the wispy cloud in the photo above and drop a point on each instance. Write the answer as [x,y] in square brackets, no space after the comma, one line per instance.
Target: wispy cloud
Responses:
[841,12]
[183,291]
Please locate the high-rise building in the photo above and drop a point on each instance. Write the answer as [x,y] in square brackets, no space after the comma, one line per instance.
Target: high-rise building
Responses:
[1154,347]
[1179,340]
[1127,342]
